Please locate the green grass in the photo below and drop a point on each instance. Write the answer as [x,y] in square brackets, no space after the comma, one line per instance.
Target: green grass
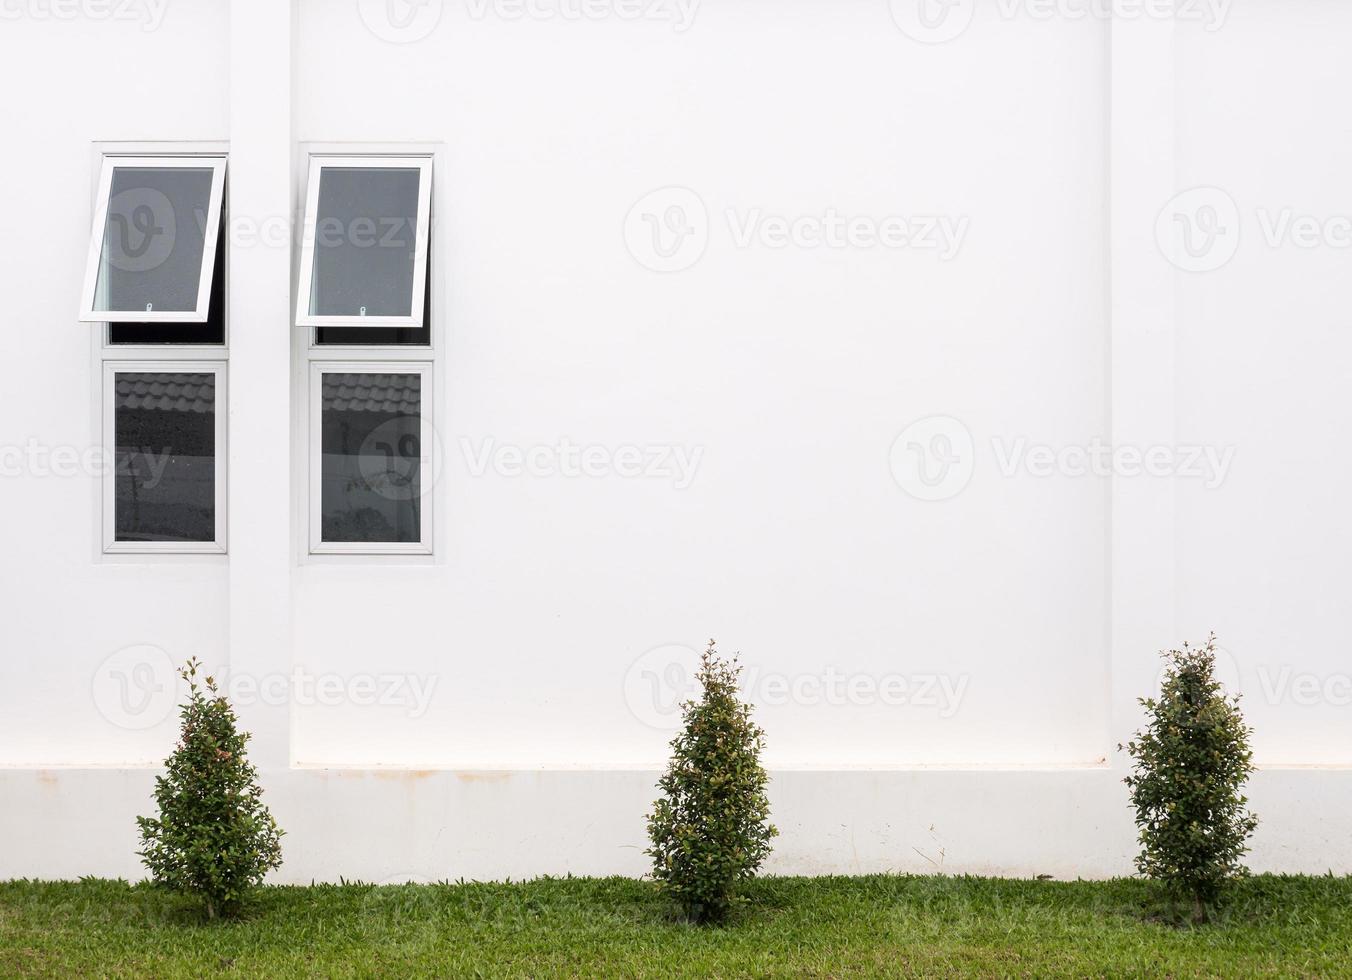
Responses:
[824,927]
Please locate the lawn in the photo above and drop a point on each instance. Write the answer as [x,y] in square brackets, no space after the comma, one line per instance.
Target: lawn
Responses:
[825,927]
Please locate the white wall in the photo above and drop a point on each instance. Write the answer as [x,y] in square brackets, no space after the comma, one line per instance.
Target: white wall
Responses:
[1021,612]
[1263,348]
[791,370]
[71,82]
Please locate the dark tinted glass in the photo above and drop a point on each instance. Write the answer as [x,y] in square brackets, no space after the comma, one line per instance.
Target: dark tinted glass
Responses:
[383,336]
[366,225]
[211,332]
[165,430]
[371,468]
[153,239]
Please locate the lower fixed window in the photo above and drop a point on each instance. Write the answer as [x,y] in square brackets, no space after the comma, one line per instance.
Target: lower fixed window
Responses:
[164,427]
[371,458]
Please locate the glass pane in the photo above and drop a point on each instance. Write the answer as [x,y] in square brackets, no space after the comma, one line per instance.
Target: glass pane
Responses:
[365,240]
[371,446]
[373,336]
[153,239]
[165,430]
[172,332]
[382,336]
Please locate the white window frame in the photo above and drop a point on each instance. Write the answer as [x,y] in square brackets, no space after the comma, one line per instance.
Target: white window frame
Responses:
[429,466]
[107,398]
[318,162]
[111,162]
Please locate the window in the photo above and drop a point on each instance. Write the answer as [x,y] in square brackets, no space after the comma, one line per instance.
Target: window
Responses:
[365,303]
[209,333]
[156,285]
[164,423]
[420,336]
[153,248]
[372,456]
[364,252]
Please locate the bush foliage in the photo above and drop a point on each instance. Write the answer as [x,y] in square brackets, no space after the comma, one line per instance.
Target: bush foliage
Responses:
[709,830]
[214,838]
[1191,762]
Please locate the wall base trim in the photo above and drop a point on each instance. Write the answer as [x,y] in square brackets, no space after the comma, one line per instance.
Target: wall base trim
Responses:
[399,825]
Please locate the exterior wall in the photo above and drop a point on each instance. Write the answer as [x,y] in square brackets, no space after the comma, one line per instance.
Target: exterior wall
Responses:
[74,82]
[1261,344]
[919,665]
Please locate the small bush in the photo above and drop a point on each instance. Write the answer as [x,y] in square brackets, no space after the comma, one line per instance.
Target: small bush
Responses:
[709,829]
[213,838]
[1191,762]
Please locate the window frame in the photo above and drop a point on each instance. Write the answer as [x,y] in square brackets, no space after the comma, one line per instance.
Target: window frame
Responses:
[315,455]
[111,162]
[107,398]
[422,162]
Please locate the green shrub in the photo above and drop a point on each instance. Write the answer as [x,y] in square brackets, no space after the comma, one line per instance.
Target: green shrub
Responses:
[1191,762]
[214,838]
[709,829]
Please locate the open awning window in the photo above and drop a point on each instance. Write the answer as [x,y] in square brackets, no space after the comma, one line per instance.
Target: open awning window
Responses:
[364,247]
[152,251]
